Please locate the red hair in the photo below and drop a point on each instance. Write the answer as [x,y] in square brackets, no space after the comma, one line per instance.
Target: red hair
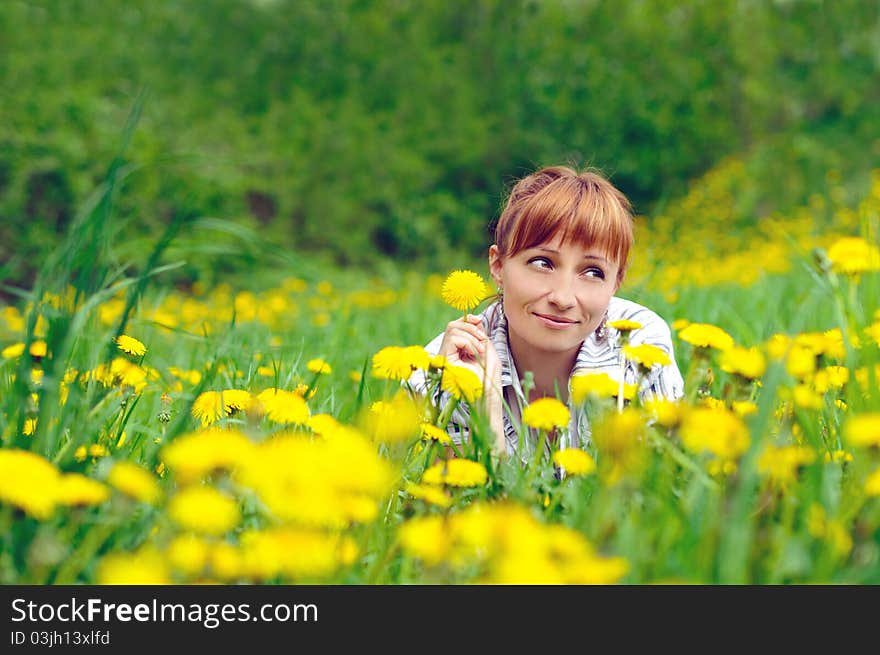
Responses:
[585,207]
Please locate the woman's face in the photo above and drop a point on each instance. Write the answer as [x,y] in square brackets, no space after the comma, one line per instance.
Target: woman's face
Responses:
[555,294]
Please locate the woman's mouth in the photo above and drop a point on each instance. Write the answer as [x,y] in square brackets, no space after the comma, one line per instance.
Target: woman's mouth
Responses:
[555,322]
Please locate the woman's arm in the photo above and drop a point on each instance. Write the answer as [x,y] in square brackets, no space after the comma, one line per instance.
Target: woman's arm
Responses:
[466,344]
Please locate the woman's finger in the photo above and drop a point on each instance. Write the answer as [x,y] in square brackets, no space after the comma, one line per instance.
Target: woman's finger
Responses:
[463,344]
[475,330]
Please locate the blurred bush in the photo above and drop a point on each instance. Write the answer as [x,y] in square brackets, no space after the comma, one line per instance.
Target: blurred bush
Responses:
[362,129]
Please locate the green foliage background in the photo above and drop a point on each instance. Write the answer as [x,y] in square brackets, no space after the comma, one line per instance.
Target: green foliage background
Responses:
[364,129]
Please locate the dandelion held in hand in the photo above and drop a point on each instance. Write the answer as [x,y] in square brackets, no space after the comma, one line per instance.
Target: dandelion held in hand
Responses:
[463,290]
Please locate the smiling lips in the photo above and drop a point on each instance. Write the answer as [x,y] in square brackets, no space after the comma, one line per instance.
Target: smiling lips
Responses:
[555,322]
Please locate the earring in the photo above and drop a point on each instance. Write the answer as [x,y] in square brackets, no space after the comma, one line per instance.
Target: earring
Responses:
[602,331]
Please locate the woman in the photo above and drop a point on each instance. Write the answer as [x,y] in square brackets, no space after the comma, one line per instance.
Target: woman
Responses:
[560,255]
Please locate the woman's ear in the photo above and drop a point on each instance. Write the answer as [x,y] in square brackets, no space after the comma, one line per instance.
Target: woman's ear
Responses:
[495,265]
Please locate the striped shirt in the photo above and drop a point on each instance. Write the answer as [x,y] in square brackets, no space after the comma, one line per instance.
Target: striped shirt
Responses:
[599,353]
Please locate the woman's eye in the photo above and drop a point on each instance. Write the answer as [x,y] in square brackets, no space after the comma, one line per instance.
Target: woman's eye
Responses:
[540,262]
[595,272]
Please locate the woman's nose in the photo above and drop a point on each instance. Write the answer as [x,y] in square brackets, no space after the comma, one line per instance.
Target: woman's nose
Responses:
[562,292]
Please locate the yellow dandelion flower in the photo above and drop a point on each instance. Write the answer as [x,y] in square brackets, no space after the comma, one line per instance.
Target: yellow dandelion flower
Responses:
[778,345]
[714,430]
[355,376]
[462,383]
[839,538]
[30,426]
[744,407]
[546,414]
[433,432]
[236,400]
[854,255]
[303,390]
[426,537]
[749,363]
[866,378]
[618,438]
[430,494]
[188,553]
[77,489]
[38,349]
[13,351]
[192,377]
[624,325]
[456,473]
[204,510]
[838,457]
[830,377]
[437,362]
[284,406]
[398,363]
[873,332]
[863,431]
[665,412]
[782,463]
[393,421]
[680,324]
[703,335]
[130,345]
[872,484]
[319,366]
[28,481]
[225,561]
[463,290]
[647,355]
[143,567]
[805,398]
[800,362]
[721,467]
[196,454]
[98,450]
[210,406]
[323,424]
[134,481]
[575,461]
[713,403]
[599,385]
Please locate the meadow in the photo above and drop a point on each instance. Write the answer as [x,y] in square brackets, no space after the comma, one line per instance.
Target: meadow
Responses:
[257,431]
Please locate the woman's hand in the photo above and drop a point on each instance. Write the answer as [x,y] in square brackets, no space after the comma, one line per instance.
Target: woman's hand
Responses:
[466,344]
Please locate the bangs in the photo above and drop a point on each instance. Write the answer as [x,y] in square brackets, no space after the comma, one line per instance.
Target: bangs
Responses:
[585,209]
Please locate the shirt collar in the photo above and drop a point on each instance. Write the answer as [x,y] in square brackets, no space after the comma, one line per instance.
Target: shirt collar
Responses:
[495,325]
